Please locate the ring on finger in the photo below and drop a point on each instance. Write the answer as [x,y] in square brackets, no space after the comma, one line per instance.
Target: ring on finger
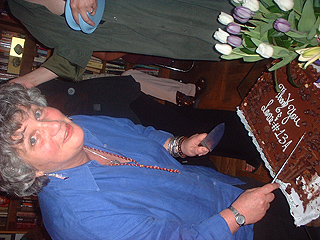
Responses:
[92,10]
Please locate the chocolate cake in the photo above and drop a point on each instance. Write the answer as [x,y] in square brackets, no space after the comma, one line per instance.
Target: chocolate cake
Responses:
[277,120]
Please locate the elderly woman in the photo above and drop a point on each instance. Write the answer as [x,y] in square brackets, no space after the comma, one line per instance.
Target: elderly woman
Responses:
[106,178]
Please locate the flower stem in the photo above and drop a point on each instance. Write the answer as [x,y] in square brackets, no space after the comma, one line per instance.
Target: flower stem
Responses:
[293,30]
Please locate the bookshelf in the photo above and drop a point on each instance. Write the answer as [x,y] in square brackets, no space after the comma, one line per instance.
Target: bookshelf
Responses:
[11,28]
[17,215]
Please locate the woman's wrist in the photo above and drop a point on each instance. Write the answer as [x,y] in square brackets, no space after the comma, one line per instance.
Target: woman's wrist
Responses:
[174,146]
[230,220]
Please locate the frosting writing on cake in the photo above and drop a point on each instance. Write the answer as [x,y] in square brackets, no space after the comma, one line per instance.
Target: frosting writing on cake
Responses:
[272,119]
[285,103]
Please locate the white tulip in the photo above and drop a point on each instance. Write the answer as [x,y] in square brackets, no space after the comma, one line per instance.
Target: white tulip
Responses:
[221,35]
[253,5]
[225,18]
[224,49]
[265,50]
[285,5]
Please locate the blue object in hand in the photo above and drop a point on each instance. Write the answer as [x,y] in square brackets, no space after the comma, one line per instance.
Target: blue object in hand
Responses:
[83,26]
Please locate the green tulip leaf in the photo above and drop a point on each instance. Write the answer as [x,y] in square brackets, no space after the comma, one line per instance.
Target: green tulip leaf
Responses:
[265,28]
[248,51]
[231,56]
[313,30]
[267,3]
[283,62]
[276,86]
[236,4]
[283,43]
[290,77]
[298,4]
[300,37]
[253,33]
[272,33]
[274,9]
[308,18]
[280,51]
[256,41]
[263,9]
[317,9]
[252,58]
[292,20]
[248,42]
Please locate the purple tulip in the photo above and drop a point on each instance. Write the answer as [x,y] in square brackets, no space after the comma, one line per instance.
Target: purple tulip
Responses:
[233,28]
[242,20]
[242,12]
[234,41]
[282,25]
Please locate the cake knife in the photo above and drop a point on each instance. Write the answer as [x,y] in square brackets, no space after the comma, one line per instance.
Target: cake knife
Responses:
[214,137]
[282,167]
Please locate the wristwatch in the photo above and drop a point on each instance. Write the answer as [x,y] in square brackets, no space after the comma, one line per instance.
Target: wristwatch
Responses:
[240,219]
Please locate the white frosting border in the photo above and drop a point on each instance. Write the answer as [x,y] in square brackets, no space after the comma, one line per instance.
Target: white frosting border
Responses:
[312,211]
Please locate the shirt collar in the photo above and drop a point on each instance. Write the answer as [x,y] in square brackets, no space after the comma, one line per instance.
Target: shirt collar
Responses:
[78,178]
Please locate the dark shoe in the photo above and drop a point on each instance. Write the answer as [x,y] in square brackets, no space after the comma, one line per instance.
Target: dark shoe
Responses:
[201,86]
[184,100]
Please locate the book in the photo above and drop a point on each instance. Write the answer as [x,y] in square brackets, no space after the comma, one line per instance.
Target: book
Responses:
[39,59]
[93,70]
[4,60]
[95,65]
[3,222]
[4,208]
[25,225]
[95,59]
[111,65]
[7,76]
[3,214]
[26,214]
[26,219]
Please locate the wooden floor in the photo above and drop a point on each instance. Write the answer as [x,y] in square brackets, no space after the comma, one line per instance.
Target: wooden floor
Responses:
[228,83]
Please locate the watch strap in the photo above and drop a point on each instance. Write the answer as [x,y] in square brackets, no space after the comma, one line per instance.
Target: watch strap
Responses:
[240,219]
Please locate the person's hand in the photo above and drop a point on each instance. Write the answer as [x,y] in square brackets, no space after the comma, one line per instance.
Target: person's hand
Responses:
[82,7]
[35,77]
[23,81]
[191,148]
[253,203]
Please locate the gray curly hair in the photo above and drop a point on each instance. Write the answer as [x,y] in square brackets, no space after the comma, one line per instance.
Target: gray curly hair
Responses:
[16,176]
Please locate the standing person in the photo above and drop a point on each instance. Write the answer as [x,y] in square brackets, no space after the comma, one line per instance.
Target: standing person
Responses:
[107,178]
[177,92]
[168,28]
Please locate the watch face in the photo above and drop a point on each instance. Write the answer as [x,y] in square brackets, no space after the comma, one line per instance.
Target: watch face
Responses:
[240,220]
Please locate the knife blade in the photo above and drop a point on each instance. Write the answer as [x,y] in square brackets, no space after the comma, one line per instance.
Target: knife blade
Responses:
[214,137]
[282,167]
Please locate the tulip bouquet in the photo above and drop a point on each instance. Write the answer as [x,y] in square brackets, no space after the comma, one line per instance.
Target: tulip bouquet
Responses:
[279,29]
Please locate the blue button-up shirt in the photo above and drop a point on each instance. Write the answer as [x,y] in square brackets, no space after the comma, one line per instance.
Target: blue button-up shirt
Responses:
[130,202]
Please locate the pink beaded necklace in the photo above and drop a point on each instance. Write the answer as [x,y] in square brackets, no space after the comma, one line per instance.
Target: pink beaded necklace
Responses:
[128,161]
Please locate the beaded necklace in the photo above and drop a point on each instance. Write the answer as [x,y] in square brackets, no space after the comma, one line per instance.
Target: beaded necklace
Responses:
[129,161]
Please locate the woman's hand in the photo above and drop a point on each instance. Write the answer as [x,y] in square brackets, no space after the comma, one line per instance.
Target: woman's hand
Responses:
[252,204]
[191,148]
[82,7]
